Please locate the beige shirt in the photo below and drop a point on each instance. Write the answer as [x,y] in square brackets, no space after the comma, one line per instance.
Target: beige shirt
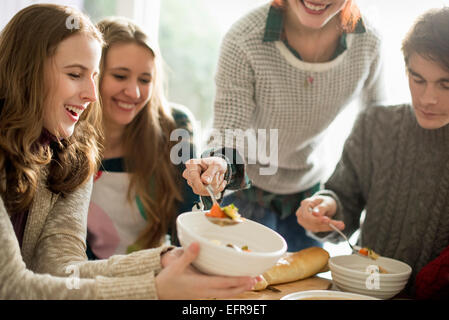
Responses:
[52,263]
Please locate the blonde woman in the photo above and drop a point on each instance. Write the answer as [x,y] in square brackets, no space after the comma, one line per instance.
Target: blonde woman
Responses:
[48,155]
[139,190]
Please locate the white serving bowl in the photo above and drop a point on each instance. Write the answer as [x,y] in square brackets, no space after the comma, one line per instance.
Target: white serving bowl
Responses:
[325,295]
[266,245]
[349,273]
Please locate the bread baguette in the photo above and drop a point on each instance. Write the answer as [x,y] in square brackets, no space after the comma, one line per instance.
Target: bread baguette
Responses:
[296,266]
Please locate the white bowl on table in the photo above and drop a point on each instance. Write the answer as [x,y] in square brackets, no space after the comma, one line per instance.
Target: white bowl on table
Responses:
[266,245]
[351,273]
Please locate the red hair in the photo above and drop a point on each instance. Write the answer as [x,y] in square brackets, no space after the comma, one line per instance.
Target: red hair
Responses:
[349,15]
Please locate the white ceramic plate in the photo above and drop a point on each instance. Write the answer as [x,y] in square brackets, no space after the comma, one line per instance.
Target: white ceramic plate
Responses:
[325,295]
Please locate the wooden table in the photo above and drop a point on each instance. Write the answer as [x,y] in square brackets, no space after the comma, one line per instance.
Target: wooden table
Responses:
[313,283]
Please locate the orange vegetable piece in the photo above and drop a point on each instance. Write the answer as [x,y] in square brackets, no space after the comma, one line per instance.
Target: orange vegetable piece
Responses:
[216,212]
[363,251]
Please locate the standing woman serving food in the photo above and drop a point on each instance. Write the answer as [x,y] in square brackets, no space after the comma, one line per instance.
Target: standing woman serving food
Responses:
[292,66]
[48,155]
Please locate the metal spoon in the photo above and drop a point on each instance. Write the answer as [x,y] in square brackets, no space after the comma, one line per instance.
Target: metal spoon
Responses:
[220,221]
[354,249]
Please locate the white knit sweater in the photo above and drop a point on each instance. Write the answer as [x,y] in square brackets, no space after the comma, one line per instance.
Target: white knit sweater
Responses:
[261,85]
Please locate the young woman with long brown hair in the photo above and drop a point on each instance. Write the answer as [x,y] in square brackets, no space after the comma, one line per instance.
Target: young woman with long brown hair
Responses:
[138,191]
[48,155]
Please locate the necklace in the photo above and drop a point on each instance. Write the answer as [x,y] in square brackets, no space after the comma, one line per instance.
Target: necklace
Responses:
[308,81]
[321,52]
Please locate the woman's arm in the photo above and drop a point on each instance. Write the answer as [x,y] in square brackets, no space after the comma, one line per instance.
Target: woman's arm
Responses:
[19,282]
[61,250]
[234,104]
[134,276]
[178,280]
[62,244]
[234,108]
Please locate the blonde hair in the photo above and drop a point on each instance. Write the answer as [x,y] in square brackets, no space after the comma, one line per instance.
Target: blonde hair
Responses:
[146,140]
[27,41]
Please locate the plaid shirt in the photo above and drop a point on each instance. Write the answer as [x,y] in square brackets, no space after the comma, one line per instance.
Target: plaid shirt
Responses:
[284,205]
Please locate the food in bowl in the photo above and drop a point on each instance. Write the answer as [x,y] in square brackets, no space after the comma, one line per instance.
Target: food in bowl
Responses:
[243,248]
[382,270]
[232,246]
[369,253]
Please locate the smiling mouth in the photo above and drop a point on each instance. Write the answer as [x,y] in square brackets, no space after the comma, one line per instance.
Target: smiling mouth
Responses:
[124,105]
[312,6]
[127,106]
[73,110]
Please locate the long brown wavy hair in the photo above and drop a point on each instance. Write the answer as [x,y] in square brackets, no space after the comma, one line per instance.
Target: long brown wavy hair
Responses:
[26,43]
[146,140]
